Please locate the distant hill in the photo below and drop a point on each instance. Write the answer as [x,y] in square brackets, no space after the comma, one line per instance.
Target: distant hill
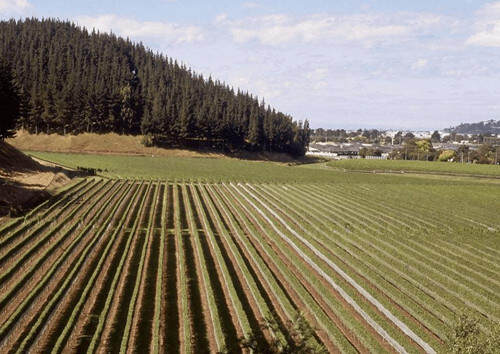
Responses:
[76,81]
[485,127]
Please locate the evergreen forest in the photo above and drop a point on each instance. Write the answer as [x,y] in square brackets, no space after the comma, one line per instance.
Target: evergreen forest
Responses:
[72,80]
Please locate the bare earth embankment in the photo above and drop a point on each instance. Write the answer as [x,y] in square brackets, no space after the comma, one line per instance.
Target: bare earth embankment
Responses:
[116,144]
[25,182]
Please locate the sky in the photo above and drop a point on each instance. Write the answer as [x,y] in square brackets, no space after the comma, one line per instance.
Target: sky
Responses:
[400,64]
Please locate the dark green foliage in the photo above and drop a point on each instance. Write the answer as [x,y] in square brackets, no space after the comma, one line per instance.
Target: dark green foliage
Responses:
[75,81]
[364,152]
[10,102]
[486,127]
[436,137]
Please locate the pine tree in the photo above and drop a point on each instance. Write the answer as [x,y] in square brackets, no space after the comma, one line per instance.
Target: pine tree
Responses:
[186,117]
[75,81]
[24,109]
[64,110]
[10,101]
[255,129]
[127,113]
[49,113]
[35,113]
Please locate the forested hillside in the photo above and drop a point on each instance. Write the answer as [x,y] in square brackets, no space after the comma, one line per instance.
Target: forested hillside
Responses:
[75,81]
[486,127]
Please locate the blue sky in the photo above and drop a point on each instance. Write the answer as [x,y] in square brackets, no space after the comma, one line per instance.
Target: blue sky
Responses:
[341,64]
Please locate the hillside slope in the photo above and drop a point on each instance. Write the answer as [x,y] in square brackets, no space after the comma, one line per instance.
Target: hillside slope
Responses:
[110,143]
[25,182]
[13,161]
[486,127]
[74,81]
[116,144]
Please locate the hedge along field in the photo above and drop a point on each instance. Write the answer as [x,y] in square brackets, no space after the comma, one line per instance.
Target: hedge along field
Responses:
[154,265]
[417,166]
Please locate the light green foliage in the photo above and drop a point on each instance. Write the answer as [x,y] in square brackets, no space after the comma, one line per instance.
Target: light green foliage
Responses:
[446,155]
[211,169]
[225,169]
[424,145]
[467,337]
[185,168]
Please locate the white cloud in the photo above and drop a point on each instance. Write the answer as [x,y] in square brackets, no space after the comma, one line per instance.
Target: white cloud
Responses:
[220,19]
[317,74]
[251,5]
[368,29]
[14,7]
[127,27]
[419,64]
[318,78]
[487,26]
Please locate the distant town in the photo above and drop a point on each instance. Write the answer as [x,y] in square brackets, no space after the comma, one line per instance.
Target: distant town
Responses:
[441,145]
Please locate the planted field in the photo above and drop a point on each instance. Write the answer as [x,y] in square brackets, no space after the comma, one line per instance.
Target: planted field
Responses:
[309,171]
[115,265]
[448,168]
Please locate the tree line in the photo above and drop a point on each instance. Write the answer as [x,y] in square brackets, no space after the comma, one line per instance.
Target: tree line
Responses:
[10,101]
[72,81]
[485,127]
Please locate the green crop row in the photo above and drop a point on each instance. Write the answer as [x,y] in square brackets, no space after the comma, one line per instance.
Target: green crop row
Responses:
[159,275]
[208,292]
[205,213]
[422,258]
[314,309]
[181,268]
[45,216]
[65,282]
[104,313]
[131,309]
[350,239]
[48,252]
[263,308]
[76,308]
[37,242]
[373,266]
[315,256]
[422,270]
[63,192]
[316,225]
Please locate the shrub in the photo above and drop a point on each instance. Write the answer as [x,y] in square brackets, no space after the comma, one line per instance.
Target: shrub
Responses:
[446,155]
[148,140]
[300,338]
[466,337]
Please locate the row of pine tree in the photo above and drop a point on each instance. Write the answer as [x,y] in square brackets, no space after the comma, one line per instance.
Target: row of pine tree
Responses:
[73,81]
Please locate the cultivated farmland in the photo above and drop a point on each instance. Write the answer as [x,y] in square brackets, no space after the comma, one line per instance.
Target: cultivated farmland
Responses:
[432,167]
[112,265]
